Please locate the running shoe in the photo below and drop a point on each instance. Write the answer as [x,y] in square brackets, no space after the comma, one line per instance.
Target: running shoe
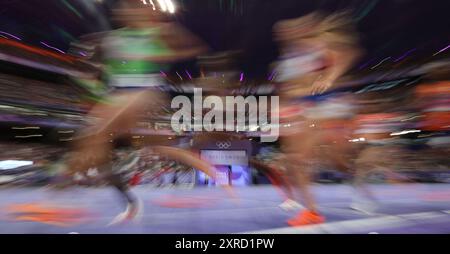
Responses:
[306,217]
[290,205]
[133,212]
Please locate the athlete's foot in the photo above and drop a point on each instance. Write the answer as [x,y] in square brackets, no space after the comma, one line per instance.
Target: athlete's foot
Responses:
[137,211]
[289,205]
[132,213]
[306,217]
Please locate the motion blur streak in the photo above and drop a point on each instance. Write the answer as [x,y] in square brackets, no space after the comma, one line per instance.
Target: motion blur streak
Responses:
[361,102]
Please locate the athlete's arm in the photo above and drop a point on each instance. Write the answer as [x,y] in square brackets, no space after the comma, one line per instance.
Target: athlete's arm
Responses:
[341,60]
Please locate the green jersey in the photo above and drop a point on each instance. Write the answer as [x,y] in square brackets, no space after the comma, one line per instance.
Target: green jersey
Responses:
[127,52]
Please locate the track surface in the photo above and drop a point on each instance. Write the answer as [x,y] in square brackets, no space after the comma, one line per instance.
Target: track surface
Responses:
[406,208]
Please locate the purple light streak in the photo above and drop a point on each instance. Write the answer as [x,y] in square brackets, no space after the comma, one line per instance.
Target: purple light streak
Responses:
[163,74]
[405,55]
[366,64]
[48,46]
[271,76]
[442,50]
[189,75]
[242,77]
[15,37]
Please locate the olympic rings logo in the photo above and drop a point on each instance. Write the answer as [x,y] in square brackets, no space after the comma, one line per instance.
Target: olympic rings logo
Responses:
[223,145]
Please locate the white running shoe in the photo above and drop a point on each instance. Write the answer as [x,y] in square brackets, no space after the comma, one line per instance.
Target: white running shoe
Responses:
[134,212]
[289,205]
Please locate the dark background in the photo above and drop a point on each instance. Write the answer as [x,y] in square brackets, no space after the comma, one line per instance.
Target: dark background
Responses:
[389,28]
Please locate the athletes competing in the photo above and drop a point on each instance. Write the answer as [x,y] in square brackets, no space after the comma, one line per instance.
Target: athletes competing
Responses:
[316,51]
[132,58]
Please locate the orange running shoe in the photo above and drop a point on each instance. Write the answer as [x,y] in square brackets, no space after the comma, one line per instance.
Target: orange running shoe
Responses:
[306,217]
